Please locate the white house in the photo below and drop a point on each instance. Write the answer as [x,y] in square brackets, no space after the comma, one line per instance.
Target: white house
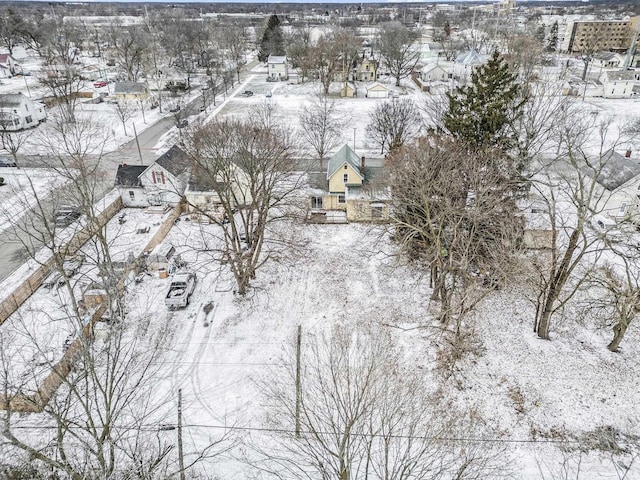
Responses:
[466,63]
[129,185]
[18,112]
[432,73]
[9,65]
[620,83]
[608,60]
[377,90]
[165,180]
[619,179]
[278,67]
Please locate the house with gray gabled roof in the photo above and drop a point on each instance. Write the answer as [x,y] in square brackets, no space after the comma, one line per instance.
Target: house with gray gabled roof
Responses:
[131,91]
[18,112]
[165,180]
[619,182]
[619,83]
[278,67]
[466,63]
[129,184]
[347,194]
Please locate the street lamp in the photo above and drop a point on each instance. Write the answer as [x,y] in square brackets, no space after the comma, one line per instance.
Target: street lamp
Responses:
[354,139]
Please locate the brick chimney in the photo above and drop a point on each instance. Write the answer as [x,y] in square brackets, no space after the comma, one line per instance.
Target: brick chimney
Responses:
[362,164]
[628,153]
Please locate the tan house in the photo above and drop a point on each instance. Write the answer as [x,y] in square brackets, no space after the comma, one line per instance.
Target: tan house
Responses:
[349,90]
[131,91]
[366,70]
[346,195]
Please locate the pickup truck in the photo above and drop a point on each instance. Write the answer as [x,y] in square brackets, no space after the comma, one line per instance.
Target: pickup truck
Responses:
[180,290]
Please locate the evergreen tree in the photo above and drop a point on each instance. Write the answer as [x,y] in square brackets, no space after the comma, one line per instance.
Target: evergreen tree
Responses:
[272,40]
[553,38]
[481,113]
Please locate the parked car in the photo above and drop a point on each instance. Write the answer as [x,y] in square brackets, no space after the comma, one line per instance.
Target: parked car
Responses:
[247,93]
[271,79]
[100,84]
[7,162]
[269,94]
[66,215]
[180,290]
[175,109]
[182,123]
[202,108]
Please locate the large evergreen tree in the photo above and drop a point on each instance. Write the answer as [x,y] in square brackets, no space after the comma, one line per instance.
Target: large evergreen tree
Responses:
[272,40]
[482,113]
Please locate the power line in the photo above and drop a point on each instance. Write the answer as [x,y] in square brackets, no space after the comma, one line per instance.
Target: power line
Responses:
[168,427]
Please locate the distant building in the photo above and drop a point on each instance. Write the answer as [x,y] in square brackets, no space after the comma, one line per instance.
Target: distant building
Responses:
[131,91]
[18,112]
[620,84]
[598,35]
[278,67]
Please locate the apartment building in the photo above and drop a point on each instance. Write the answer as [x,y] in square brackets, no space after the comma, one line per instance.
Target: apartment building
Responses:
[599,35]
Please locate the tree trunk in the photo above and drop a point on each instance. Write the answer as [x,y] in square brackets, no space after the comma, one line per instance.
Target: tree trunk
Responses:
[543,324]
[619,330]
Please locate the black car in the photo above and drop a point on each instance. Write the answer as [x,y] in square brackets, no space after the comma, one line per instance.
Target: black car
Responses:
[247,93]
[182,123]
[7,162]
[66,215]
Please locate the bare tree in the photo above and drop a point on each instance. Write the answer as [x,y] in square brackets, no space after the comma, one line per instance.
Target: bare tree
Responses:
[570,192]
[393,123]
[456,213]
[96,422]
[334,53]
[249,167]
[124,110]
[321,126]
[131,45]
[300,51]
[13,141]
[396,45]
[234,42]
[360,413]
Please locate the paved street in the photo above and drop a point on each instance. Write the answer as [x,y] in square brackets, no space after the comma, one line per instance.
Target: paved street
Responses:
[12,243]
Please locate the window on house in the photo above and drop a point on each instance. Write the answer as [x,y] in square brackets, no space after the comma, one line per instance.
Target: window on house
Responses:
[132,195]
[342,199]
[623,209]
[345,178]
[28,119]
[316,202]
[376,212]
[158,177]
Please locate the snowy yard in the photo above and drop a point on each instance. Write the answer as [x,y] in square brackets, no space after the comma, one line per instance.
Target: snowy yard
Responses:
[522,388]
[33,337]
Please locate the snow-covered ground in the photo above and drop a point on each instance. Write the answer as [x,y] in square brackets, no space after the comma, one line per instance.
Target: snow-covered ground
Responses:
[525,392]
[22,189]
[33,337]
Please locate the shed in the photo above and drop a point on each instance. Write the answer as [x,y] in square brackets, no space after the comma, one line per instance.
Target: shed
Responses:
[160,257]
[348,90]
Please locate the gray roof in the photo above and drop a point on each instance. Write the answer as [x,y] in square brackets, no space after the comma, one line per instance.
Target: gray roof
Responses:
[342,156]
[130,88]
[617,170]
[175,161]
[471,58]
[129,175]
[11,99]
[623,75]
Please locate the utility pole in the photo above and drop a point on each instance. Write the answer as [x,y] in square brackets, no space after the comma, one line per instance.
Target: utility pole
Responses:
[180,453]
[298,380]
[137,142]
